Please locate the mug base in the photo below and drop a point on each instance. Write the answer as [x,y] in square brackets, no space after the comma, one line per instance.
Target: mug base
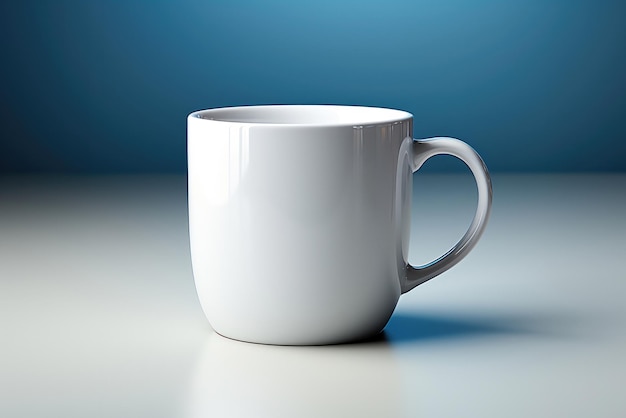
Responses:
[367,338]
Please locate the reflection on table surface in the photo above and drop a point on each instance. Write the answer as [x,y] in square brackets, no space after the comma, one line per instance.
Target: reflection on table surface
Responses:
[236,379]
[99,317]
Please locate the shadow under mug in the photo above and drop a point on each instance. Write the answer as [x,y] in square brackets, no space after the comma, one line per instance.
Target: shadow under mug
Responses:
[299,218]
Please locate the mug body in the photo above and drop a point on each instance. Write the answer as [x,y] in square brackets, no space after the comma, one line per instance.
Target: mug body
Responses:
[294,220]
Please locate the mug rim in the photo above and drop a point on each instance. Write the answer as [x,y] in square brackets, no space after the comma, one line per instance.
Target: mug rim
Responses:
[307,115]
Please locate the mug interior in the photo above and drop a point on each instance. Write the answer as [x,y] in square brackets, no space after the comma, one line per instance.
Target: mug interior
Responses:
[304,115]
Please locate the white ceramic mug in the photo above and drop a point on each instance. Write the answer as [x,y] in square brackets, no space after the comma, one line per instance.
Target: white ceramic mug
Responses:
[299,218]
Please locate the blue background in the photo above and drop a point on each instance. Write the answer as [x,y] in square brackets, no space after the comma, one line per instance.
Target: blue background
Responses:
[105,86]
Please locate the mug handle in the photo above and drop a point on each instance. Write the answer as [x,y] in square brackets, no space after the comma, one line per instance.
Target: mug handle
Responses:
[422,150]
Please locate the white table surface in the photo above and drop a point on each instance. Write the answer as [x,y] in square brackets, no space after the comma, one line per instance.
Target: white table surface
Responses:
[99,317]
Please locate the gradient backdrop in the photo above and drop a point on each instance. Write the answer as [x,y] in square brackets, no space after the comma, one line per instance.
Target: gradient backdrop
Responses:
[105,86]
